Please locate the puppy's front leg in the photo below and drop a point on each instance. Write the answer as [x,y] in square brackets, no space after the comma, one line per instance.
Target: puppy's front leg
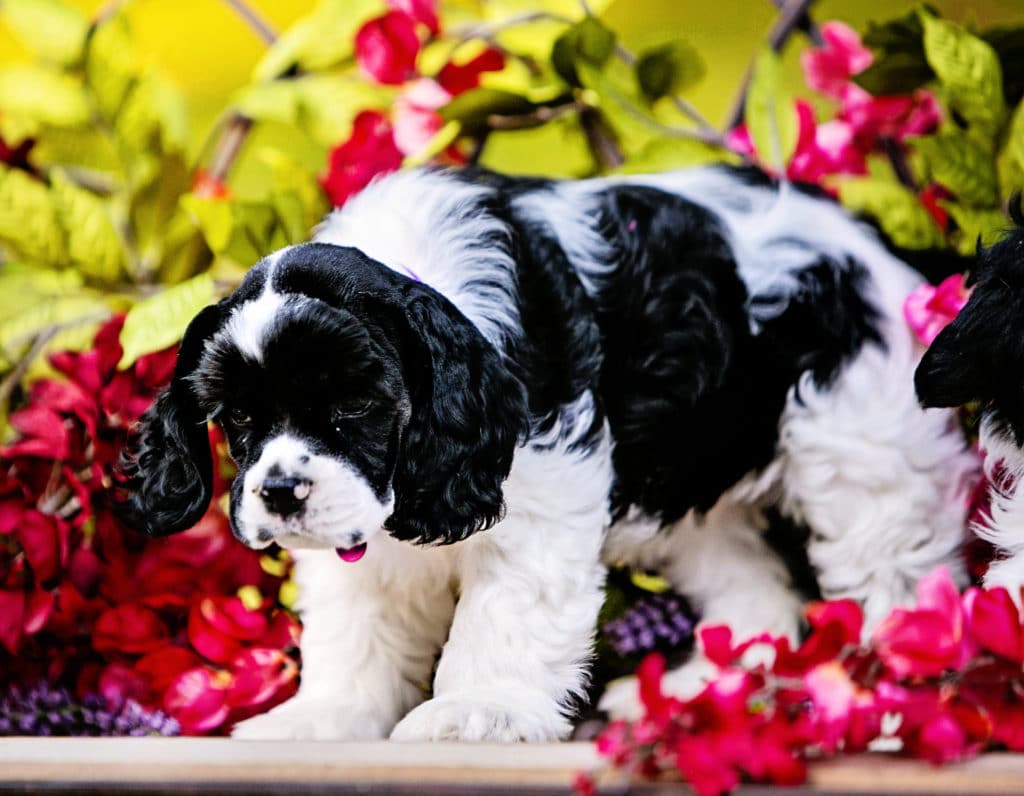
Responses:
[371,632]
[522,634]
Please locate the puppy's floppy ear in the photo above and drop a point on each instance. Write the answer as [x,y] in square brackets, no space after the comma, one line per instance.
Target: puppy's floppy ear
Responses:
[468,413]
[167,469]
[953,370]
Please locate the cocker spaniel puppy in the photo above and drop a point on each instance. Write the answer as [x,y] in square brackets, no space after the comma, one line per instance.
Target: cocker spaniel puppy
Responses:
[469,391]
[980,357]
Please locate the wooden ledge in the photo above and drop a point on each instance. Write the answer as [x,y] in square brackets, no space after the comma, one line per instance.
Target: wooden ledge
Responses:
[201,765]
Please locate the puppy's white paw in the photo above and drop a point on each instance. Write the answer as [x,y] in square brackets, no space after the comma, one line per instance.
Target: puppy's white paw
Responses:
[497,716]
[621,700]
[312,720]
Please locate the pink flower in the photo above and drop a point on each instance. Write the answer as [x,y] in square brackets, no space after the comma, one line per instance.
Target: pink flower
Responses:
[197,698]
[889,117]
[930,639]
[219,627]
[415,117]
[828,69]
[929,309]
[370,150]
[386,48]
[422,11]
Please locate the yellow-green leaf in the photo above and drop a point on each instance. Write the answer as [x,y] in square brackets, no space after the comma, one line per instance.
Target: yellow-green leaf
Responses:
[153,117]
[327,104]
[956,162]
[239,230]
[160,321]
[769,113]
[320,40]
[987,225]
[94,245]
[28,218]
[896,209]
[18,331]
[43,95]
[969,71]
[665,154]
[52,29]
[1015,136]
[111,63]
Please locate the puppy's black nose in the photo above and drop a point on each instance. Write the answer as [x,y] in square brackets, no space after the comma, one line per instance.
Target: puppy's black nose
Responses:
[284,496]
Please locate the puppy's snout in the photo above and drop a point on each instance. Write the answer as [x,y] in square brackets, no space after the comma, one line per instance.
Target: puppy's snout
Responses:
[285,496]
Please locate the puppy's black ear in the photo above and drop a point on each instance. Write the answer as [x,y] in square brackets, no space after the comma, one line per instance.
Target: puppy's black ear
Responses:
[468,413]
[166,470]
[952,371]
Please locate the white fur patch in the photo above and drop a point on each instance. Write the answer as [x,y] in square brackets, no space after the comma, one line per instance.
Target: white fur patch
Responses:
[431,227]
[340,503]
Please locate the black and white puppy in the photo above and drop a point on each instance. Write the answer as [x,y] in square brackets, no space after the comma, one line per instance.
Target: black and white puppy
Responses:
[628,370]
[979,357]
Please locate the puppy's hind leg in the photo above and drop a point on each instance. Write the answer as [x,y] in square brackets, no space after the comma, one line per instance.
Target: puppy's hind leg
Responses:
[371,633]
[723,565]
[880,482]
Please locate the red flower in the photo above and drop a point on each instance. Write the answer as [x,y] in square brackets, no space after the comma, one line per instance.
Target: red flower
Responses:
[43,434]
[894,118]
[129,629]
[218,627]
[828,69]
[12,616]
[994,623]
[457,78]
[44,538]
[197,698]
[930,197]
[369,151]
[386,48]
[422,11]
[930,639]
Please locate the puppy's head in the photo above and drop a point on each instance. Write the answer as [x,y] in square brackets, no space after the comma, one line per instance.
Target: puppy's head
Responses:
[980,355]
[353,400]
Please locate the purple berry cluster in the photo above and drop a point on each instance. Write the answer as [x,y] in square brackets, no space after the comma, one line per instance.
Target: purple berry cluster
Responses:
[656,621]
[47,710]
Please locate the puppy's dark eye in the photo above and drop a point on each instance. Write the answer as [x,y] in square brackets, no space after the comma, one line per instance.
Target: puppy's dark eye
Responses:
[349,412]
[239,418]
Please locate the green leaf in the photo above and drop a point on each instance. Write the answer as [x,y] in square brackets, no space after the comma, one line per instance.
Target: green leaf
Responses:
[18,331]
[666,154]
[111,63]
[22,285]
[957,163]
[473,108]
[271,101]
[288,177]
[987,225]
[94,245]
[896,209]
[895,73]
[588,41]
[160,321]
[321,40]
[1015,136]
[669,68]
[327,104]
[1008,43]
[770,114]
[239,230]
[53,30]
[154,117]
[43,96]
[970,73]
[28,219]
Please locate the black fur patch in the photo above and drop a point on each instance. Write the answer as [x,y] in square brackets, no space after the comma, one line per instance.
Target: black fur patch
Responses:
[980,355]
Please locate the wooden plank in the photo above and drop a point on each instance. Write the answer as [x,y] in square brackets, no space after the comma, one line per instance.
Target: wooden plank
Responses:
[201,765]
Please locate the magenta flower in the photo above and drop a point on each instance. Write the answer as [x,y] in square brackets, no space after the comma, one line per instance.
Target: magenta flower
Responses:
[929,309]
[828,69]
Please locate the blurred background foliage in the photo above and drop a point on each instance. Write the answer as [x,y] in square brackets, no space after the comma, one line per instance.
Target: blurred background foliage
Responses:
[209,52]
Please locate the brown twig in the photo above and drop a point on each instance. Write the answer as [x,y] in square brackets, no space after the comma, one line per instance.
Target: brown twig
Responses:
[253,20]
[535,118]
[898,158]
[229,145]
[601,140]
[805,25]
[790,16]
[12,379]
